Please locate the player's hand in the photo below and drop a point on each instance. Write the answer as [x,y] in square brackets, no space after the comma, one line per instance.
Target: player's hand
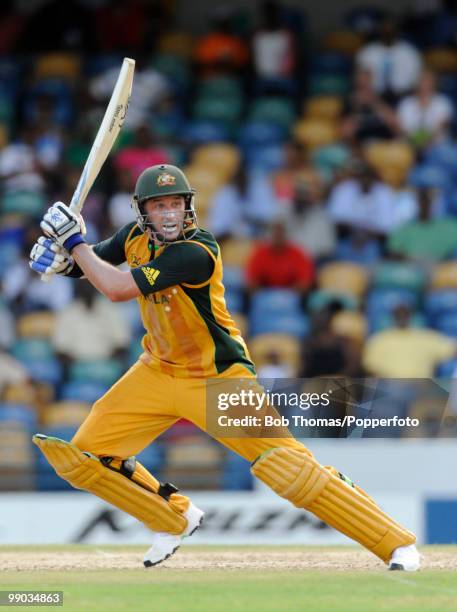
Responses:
[48,257]
[63,226]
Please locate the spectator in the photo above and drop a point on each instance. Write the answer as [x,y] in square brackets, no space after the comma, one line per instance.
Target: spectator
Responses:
[395,63]
[273,45]
[273,367]
[405,351]
[366,115]
[425,116]
[141,154]
[242,207]
[90,328]
[150,88]
[428,238]
[327,353]
[297,166]
[309,224]
[119,205]
[279,263]
[365,203]
[221,51]
[19,167]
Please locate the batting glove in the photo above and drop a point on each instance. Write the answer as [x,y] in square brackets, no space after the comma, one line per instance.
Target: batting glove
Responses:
[63,226]
[48,257]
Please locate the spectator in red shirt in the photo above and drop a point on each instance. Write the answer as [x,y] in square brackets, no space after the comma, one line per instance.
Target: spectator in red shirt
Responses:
[141,154]
[279,263]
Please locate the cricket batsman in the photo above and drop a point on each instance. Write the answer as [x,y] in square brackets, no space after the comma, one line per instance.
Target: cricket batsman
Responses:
[176,276]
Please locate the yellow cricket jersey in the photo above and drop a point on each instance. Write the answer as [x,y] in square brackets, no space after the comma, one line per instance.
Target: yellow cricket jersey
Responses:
[189,331]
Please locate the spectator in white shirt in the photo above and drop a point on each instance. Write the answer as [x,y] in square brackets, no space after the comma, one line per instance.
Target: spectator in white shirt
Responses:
[425,116]
[273,45]
[395,63]
[363,202]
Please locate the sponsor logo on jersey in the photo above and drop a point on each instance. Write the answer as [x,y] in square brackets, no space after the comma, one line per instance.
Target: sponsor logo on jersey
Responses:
[151,274]
[135,261]
[165,179]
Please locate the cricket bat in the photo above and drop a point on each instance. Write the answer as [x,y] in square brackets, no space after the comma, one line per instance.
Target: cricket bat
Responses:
[109,129]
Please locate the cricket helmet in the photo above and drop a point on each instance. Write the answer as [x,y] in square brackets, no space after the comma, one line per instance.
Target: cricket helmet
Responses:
[160,180]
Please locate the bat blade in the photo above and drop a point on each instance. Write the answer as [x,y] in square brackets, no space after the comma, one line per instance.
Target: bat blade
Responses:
[109,129]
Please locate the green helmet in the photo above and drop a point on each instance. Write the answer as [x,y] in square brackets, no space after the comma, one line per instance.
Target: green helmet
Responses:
[163,179]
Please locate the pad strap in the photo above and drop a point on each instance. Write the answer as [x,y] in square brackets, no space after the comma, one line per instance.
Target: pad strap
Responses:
[86,471]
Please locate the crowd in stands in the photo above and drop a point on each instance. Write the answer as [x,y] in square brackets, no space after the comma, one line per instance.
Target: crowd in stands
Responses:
[327,170]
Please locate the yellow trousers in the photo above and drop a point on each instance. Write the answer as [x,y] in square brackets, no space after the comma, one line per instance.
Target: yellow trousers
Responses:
[146,402]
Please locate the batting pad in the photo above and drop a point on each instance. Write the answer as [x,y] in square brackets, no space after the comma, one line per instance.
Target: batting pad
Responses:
[85,471]
[299,478]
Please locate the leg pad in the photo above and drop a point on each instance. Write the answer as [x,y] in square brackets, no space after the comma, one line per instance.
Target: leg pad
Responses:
[85,471]
[299,478]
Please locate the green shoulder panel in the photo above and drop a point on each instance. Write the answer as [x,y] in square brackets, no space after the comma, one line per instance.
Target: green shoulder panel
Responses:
[113,249]
[207,239]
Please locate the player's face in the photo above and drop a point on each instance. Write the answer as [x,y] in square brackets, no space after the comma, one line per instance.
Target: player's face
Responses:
[166,213]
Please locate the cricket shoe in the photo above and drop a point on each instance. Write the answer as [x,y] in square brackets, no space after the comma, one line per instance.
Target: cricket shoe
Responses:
[405,558]
[165,544]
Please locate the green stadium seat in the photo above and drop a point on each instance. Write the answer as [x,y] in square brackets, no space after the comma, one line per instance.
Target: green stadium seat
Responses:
[105,371]
[279,111]
[23,202]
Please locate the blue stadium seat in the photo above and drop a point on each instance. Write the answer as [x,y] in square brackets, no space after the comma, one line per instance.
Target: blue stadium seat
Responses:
[383,301]
[236,473]
[102,371]
[233,278]
[439,303]
[234,300]
[260,133]
[20,414]
[199,132]
[277,310]
[447,324]
[331,63]
[153,457]
[399,275]
[265,158]
[83,391]
[443,155]
[429,175]
[446,369]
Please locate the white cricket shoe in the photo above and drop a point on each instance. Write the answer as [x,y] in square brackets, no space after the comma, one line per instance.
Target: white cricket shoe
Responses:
[405,558]
[165,544]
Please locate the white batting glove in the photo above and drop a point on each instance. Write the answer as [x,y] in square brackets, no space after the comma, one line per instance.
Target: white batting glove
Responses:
[48,257]
[63,226]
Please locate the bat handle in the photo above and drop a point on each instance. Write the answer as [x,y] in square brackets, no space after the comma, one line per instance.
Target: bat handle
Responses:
[46,277]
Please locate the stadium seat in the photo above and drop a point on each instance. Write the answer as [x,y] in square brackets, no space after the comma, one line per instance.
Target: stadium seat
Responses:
[447,324]
[81,391]
[234,300]
[343,41]
[446,369]
[31,203]
[440,302]
[175,69]
[287,347]
[236,473]
[65,414]
[329,84]
[330,62]
[220,86]
[233,278]
[277,310]
[391,159]
[17,415]
[36,325]
[223,110]
[324,107]
[177,43]
[429,176]
[343,277]
[260,133]
[399,275]
[441,60]
[223,157]
[350,324]
[442,155]
[58,65]
[330,158]
[195,461]
[32,348]
[103,371]
[383,301]
[265,158]
[153,457]
[16,459]
[445,276]
[321,298]
[236,252]
[278,111]
[198,132]
[316,132]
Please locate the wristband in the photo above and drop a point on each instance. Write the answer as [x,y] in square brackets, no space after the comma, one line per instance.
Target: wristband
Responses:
[73,241]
